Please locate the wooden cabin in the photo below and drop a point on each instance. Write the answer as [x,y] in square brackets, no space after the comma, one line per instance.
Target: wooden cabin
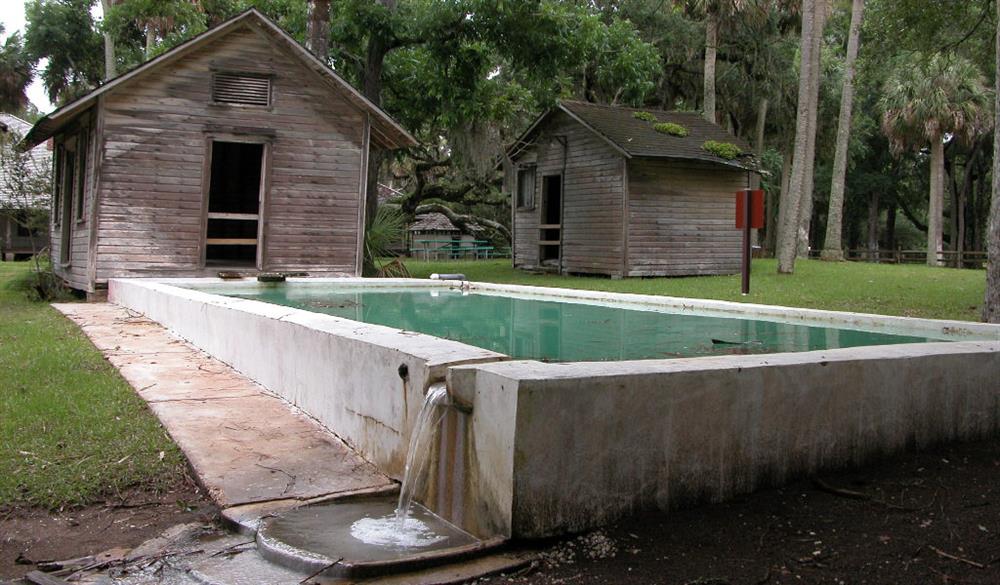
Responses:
[15,239]
[599,190]
[432,236]
[237,150]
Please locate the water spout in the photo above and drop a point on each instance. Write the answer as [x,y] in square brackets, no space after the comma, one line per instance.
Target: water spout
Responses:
[419,452]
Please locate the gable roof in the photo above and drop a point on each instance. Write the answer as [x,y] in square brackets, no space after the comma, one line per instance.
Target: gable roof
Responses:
[635,138]
[385,131]
[432,222]
[39,161]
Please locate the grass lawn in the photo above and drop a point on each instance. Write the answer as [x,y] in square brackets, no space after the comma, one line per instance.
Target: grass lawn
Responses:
[72,431]
[908,290]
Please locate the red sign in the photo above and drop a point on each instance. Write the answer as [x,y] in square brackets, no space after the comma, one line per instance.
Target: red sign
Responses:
[756,209]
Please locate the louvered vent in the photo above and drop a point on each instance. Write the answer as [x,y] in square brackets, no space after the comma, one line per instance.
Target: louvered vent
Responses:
[249,90]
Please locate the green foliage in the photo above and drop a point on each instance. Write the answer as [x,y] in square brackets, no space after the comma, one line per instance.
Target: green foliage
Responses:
[905,290]
[72,430]
[644,116]
[671,129]
[16,71]
[64,33]
[725,150]
[384,233]
[926,98]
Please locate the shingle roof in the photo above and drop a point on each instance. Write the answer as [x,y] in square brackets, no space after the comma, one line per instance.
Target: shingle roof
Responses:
[634,137]
[432,222]
[41,156]
[385,130]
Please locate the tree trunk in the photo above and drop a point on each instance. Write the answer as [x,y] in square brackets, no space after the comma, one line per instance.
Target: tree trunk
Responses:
[110,61]
[371,86]
[873,217]
[833,248]
[318,29]
[791,199]
[771,208]
[936,203]
[890,225]
[150,41]
[808,193]
[761,122]
[711,47]
[991,304]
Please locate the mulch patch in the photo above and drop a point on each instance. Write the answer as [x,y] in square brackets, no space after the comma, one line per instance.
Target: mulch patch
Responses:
[920,518]
[29,536]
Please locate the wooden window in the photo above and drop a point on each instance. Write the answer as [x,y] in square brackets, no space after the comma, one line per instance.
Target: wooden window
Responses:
[526,188]
[242,89]
[81,176]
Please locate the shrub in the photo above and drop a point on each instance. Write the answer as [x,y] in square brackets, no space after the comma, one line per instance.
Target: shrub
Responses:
[671,129]
[724,150]
[644,116]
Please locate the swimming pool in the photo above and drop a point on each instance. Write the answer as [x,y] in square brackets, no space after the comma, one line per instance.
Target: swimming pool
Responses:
[560,330]
[580,407]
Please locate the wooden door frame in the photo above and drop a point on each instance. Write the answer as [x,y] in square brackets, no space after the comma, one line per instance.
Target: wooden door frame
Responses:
[70,145]
[264,138]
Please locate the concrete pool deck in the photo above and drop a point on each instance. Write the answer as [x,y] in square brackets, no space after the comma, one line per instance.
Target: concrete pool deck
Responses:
[249,449]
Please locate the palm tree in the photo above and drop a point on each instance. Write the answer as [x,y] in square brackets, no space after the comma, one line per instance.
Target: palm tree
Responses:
[928,101]
[15,74]
[832,247]
[715,12]
[791,200]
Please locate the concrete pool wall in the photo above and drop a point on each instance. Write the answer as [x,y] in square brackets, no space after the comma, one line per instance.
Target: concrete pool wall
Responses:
[561,447]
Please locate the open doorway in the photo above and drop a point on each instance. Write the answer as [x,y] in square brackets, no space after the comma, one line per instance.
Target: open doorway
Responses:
[232,235]
[550,226]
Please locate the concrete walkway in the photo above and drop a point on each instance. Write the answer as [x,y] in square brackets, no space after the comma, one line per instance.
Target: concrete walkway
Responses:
[245,445]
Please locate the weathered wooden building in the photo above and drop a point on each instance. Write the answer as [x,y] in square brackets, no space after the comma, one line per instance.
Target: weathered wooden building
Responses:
[235,150]
[600,190]
[18,201]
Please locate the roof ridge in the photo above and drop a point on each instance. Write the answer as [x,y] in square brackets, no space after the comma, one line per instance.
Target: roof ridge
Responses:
[72,109]
[613,107]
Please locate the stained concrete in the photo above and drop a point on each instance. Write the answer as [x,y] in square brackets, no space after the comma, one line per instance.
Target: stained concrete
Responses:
[245,444]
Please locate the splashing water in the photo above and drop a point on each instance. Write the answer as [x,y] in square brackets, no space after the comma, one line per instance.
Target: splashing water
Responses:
[418,454]
[389,532]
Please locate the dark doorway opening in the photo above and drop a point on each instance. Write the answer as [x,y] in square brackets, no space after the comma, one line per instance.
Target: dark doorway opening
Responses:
[234,199]
[550,228]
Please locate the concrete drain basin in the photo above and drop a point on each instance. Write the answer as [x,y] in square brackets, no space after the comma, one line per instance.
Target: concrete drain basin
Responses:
[324,539]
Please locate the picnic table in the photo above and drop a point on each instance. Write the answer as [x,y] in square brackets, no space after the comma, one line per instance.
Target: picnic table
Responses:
[453,249]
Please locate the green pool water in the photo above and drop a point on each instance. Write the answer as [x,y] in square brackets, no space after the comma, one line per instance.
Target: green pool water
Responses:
[553,330]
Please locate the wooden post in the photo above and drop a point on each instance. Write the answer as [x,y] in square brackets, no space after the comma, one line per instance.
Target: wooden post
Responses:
[747,215]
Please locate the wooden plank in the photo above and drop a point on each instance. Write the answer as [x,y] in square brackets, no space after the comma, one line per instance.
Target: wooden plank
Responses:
[40,578]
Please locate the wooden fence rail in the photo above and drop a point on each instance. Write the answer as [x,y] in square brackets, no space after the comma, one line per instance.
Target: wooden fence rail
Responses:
[952,258]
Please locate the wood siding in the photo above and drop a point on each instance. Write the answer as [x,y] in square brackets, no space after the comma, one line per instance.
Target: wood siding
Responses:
[156,138]
[682,218]
[593,187]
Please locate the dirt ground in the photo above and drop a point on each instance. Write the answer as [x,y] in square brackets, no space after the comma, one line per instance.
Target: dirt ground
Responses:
[30,536]
[932,517]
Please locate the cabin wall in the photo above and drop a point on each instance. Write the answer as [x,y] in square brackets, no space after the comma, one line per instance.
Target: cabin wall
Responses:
[157,131]
[593,190]
[682,218]
[75,273]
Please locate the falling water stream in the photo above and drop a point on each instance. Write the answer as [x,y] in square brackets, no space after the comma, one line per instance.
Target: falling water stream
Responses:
[403,529]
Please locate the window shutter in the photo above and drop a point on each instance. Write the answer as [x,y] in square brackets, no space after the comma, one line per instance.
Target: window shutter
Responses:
[248,90]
